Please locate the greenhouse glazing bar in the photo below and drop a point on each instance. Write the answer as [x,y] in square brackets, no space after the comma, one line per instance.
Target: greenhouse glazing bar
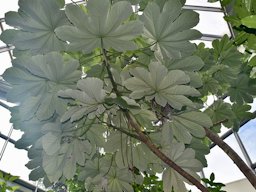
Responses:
[200,8]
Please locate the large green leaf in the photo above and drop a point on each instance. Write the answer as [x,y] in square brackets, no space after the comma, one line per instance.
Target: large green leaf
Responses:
[89,99]
[95,172]
[242,90]
[227,60]
[210,85]
[161,85]
[169,29]
[249,21]
[206,54]
[71,152]
[37,21]
[101,26]
[200,148]
[51,143]
[130,153]
[241,114]
[190,123]
[95,167]
[102,174]
[185,158]
[35,82]
[120,180]
[31,129]
[220,113]
[190,65]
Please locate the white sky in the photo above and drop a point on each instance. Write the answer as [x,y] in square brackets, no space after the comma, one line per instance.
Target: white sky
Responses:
[14,160]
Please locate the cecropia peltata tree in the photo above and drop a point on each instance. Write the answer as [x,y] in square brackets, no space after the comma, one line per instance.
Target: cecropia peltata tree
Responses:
[107,90]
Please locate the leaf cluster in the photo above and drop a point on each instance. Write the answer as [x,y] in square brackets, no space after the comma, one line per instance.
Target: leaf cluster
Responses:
[90,72]
[5,180]
[213,186]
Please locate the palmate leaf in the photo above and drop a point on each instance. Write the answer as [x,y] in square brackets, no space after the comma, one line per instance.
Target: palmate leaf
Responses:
[161,85]
[128,152]
[185,158]
[62,152]
[220,112]
[249,21]
[200,148]
[94,167]
[36,20]
[101,26]
[31,129]
[206,54]
[242,90]
[101,174]
[190,65]
[190,123]
[210,85]
[120,180]
[89,99]
[35,82]
[35,163]
[169,28]
[227,60]
[242,113]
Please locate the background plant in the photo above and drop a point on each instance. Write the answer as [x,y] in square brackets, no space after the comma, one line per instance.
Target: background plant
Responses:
[5,182]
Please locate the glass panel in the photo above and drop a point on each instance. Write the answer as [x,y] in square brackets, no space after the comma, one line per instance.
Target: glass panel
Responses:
[232,142]
[2,44]
[247,134]
[202,3]
[5,62]
[221,165]
[212,23]
[10,5]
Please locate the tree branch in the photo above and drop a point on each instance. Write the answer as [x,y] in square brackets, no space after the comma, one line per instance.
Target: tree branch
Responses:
[233,155]
[109,72]
[145,139]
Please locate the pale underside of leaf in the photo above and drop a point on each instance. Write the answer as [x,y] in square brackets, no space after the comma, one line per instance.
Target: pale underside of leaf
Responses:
[102,27]
[170,29]
[161,85]
[89,98]
[38,79]
[36,20]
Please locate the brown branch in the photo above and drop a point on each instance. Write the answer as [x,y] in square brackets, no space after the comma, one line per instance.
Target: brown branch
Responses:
[220,122]
[145,139]
[110,75]
[233,155]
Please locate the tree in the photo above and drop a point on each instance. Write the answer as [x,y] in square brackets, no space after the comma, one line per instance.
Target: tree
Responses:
[106,93]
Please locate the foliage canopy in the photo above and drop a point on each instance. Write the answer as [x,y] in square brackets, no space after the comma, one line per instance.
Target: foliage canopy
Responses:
[105,94]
